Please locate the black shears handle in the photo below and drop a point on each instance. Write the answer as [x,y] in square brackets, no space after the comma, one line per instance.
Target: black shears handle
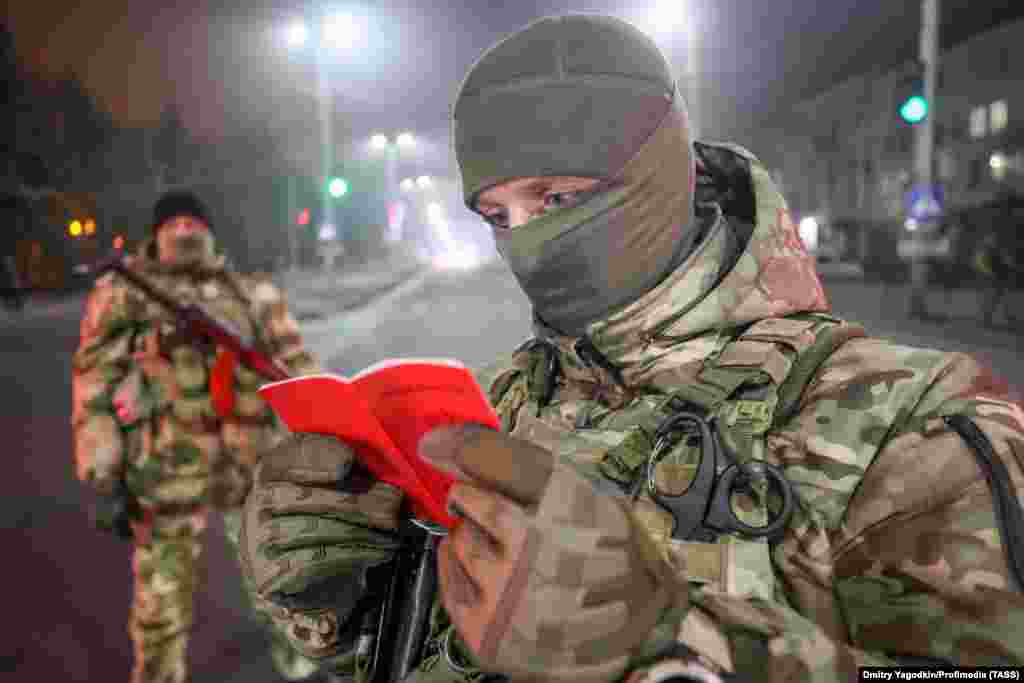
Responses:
[704,510]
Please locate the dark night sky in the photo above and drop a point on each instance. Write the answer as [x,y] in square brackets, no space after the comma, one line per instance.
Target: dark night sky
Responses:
[219,65]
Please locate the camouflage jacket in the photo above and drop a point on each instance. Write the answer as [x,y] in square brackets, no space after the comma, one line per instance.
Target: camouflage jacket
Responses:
[141,405]
[897,551]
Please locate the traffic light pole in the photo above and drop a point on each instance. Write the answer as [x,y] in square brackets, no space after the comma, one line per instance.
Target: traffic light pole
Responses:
[290,223]
[929,55]
[326,143]
[924,234]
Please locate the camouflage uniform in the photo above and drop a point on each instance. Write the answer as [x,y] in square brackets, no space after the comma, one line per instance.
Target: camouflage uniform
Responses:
[896,548]
[657,287]
[899,548]
[142,411]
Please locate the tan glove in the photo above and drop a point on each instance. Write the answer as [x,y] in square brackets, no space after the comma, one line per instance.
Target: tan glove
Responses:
[313,528]
[546,578]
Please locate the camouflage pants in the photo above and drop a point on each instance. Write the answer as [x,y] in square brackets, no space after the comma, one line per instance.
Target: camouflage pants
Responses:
[166,555]
[165,582]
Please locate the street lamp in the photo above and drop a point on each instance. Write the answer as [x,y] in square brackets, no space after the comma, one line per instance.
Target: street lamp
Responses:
[809,232]
[383,143]
[435,212]
[423,182]
[335,32]
[340,31]
[296,34]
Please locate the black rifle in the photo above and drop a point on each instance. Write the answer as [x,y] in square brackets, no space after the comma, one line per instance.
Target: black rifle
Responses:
[115,512]
[198,323]
[404,624]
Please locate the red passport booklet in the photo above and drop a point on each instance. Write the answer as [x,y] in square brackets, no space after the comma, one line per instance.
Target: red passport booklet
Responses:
[382,412]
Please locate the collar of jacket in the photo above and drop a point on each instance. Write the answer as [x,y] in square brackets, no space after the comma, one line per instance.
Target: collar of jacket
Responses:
[715,289]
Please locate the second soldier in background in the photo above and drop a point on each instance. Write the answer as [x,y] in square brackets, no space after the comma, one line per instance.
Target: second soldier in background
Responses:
[147,429]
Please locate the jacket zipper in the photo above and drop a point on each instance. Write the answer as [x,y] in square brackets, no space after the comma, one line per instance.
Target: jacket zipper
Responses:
[1008,510]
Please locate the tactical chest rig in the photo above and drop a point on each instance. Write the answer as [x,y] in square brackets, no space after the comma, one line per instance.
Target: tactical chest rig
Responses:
[692,451]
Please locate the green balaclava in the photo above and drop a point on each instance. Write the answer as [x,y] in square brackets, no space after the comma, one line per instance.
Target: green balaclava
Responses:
[592,96]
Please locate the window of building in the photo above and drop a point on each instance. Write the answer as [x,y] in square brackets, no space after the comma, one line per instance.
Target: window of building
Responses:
[998,162]
[978,122]
[998,115]
[974,171]
[947,164]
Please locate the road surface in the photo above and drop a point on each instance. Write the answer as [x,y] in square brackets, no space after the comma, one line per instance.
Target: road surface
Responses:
[68,586]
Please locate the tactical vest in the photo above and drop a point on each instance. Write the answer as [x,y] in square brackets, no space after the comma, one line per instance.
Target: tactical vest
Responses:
[751,383]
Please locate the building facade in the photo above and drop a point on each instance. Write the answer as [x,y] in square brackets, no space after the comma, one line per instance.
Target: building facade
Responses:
[846,157]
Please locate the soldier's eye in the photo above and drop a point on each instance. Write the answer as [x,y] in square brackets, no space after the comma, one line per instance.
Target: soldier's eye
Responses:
[560,200]
[498,219]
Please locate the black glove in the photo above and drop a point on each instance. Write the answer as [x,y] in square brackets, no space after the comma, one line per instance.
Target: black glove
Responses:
[114,512]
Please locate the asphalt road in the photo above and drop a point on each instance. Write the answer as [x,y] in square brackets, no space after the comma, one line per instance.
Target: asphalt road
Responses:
[67,586]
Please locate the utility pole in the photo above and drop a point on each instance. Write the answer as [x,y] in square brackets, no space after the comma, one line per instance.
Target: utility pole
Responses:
[326,103]
[290,224]
[929,56]
[924,153]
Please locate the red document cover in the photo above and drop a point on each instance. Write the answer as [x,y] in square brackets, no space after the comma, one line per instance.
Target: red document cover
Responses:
[382,412]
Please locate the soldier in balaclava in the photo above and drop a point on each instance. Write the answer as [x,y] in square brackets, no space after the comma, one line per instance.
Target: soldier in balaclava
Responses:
[701,472]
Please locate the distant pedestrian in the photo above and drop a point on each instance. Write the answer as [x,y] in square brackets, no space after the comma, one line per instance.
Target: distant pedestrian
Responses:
[13,226]
[919,251]
[999,259]
[946,272]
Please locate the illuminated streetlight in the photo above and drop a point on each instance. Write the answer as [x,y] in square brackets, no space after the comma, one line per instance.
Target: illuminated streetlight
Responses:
[90,226]
[296,34]
[408,185]
[998,163]
[667,17]
[809,232]
[435,212]
[423,182]
[406,140]
[340,31]
[379,141]
[75,228]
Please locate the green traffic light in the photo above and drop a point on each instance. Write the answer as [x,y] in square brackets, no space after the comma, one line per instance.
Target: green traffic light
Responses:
[914,110]
[338,187]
